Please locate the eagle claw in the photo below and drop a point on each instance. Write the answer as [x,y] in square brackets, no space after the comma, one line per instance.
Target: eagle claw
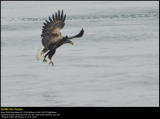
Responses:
[44,60]
[51,62]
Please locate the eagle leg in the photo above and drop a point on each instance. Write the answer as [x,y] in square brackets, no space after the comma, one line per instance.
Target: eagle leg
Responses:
[50,55]
[51,62]
[44,60]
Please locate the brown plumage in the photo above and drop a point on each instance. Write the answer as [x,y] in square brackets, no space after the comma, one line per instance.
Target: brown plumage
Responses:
[51,35]
[51,29]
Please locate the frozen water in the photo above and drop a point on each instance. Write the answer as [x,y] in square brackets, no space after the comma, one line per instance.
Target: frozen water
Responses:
[115,63]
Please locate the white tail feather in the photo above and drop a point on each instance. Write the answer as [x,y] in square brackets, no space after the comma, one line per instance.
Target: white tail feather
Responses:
[39,54]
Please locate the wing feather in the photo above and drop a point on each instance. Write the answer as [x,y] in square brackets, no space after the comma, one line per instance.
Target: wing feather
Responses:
[53,25]
[50,19]
[53,17]
[58,15]
[61,15]
[64,18]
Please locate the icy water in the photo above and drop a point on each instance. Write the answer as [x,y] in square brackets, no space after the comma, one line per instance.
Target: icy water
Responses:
[115,63]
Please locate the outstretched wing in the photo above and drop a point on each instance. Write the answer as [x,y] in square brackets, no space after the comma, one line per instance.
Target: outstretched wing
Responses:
[52,27]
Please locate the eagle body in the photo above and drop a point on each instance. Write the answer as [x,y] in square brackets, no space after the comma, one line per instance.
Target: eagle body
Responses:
[52,37]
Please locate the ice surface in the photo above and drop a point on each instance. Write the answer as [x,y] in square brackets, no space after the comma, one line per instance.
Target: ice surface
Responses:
[115,63]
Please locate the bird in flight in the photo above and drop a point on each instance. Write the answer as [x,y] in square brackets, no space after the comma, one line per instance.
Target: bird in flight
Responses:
[52,37]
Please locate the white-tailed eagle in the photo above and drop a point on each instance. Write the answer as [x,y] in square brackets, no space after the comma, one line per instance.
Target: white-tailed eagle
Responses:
[51,35]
